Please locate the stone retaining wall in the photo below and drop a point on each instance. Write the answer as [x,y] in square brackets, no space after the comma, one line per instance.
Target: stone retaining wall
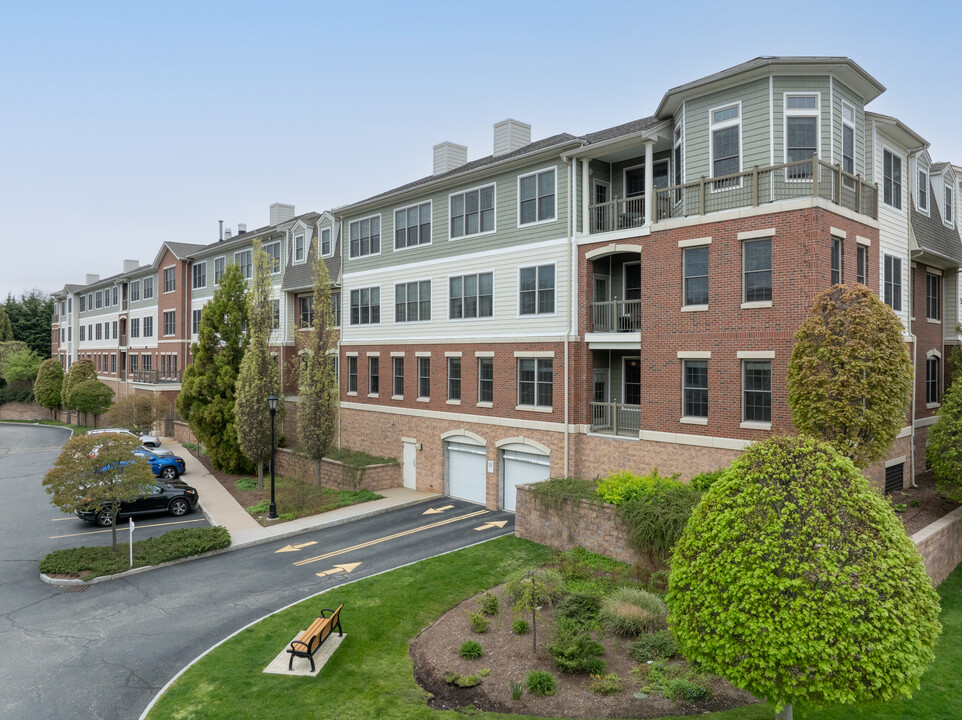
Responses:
[940,545]
[336,475]
[23,411]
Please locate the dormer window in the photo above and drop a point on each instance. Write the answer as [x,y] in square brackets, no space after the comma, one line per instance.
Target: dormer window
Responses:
[923,190]
[299,254]
[801,133]
[949,200]
[848,143]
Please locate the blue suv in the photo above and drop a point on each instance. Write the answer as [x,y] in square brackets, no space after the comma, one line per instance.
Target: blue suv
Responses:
[168,467]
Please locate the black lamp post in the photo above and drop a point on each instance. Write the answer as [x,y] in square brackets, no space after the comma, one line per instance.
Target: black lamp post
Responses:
[272,404]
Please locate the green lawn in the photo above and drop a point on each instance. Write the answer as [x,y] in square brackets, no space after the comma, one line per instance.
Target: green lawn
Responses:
[370,676]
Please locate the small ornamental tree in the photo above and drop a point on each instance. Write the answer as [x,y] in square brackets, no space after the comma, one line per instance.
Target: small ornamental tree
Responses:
[100,472]
[850,374]
[317,409]
[6,329]
[79,372]
[49,384]
[91,397]
[944,451]
[795,581]
[137,412]
[258,376]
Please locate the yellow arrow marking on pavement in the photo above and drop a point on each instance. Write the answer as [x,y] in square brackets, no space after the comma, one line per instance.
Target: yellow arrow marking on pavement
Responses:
[492,523]
[334,553]
[346,568]
[435,511]
[295,548]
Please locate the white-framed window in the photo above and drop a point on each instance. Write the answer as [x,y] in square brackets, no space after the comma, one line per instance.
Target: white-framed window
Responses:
[83,334]
[694,388]
[535,381]
[115,295]
[725,147]
[365,236]
[352,374]
[412,226]
[305,311]
[243,260]
[892,284]
[366,306]
[933,296]
[412,301]
[195,321]
[861,264]
[757,391]
[757,270]
[891,179]
[98,299]
[98,331]
[695,271]
[634,181]
[801,132]
[326,249]
[471,296]
[454,378]
[336,308]
[848,143]
[145,362]
[275,314]
[472,211]
[133,363]
[949,202]
[923,190]
[424,377]
[398,363]
[273,251]
[170,279]
[219,265]
[677,160]
[536,290]
[933,379]
[148,288]
[836,274]
[536,197]
[199,275]
[300,249]
[115,329]
[134,328]
[148,326]
[83,303]
[170,324]
[485,379]
[373,375]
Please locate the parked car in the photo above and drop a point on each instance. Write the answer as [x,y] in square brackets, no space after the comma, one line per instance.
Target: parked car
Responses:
[164,465]
[151,441]
[175,498]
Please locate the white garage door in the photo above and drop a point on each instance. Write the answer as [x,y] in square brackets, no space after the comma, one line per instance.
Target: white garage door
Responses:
[521,468]
[466,473]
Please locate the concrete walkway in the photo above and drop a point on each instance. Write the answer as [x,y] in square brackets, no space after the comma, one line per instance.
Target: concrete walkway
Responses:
[220,507]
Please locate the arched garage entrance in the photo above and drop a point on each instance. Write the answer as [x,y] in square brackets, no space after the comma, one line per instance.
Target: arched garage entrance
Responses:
[465,460]
[522,462]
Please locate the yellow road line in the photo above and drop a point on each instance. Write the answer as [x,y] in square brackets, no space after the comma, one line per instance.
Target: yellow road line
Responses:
[123,528]
[389,537]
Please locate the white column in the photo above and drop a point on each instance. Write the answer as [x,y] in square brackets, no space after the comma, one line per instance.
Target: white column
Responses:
[585,195]
[649,182]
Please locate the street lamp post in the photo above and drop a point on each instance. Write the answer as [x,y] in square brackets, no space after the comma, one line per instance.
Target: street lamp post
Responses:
[272,404]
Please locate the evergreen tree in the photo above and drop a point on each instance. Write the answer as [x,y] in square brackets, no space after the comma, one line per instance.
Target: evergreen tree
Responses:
[258,376]
[206,399]
[6,329]
[49,384]
[30,320]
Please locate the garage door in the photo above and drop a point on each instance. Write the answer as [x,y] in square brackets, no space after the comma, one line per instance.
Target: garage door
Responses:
[521,468]
[465,470]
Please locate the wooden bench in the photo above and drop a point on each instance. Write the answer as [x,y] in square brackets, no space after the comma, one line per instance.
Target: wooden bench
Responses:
[311,639]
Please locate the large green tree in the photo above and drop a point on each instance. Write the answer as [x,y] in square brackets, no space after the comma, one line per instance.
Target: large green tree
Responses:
[318,401]
[91,397]
[138,412]
[30,319]
[258,376]
[206,399]
[22,366]
[80,371]
[944,450]
[795,581]
[49,383]
[850,374]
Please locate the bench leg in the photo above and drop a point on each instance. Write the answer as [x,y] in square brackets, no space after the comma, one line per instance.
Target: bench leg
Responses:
[290,665]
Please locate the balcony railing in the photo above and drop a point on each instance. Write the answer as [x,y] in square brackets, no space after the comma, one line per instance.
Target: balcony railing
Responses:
[617,214]
[761,186]
[123,340]
[154,377]
[616,316]
[611,418]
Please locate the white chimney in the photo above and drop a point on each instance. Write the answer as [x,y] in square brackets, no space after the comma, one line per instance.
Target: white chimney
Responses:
[227,233]
[509,135]
[91,278]
[448,156]
[281,213]
[130,265]
[241,228]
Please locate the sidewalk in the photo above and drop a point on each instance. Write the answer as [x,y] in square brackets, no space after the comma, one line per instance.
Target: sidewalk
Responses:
[220,507]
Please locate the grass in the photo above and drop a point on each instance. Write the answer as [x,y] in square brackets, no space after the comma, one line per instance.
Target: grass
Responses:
[302,499]
[371,673]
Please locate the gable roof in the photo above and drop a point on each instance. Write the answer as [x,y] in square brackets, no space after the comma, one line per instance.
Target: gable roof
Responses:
[932,236]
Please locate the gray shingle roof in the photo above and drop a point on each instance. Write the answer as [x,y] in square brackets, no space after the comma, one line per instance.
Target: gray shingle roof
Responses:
[933,236]
[300,276]
[182,250]
[617,131]
[937,167]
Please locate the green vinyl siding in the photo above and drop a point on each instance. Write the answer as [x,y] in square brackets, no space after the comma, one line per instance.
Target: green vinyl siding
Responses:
[802,85]
[844,93]
[617,171]
[150,302]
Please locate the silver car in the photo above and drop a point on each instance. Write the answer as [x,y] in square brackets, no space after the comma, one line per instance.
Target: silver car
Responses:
[151,441]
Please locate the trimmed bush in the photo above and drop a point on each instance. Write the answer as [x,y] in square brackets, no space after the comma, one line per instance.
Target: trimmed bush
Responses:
[574,649]
[541,682]
[520,627]
[653,646]
[479,623]
[632,611]
[703,481]
[624,486]
[471,650]
[581,608]
[489,604]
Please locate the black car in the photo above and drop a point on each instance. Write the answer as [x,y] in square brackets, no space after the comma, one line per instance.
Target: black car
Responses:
[175,498]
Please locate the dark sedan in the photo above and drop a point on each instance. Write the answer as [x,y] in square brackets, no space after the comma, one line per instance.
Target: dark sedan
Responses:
[175,498]
[163,465]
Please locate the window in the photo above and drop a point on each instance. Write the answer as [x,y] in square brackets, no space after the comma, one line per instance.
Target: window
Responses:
[454,378]
[949,199]
[149,326]
[83,335]
[695,388]
[424,377]
[98,330]
[537,290]
[299,254]
[133,363]
[891,179]
[145,362]
[471,296]
[398,363]
[273,251]
[801,133]
[373,375]
[275,314]
[933,296]
[635,181]
[199,275]
[366,306]
[306,311]
[695,261]
[848,143]
[412,226]
[472,212]
[218,269]
[115,329]
[113,363]
[757,391]
[243,260]
[366,236]
[90,301]
[861,264]
[932,376]
[412,301]
[148,288]
[535,381]
[135,327]
[486,380]
[326,241]
[98,299]
[757,256]
[195,321]
[83,303]
[352,374]
[677,162]
[893,283]
[170,279]
[836,261]
[169,322]
[336,308]
[536,193]
[923,190]
[726,144]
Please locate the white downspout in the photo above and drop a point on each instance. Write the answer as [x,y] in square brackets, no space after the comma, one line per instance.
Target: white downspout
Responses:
[585,199]
[649,181]
[572,293]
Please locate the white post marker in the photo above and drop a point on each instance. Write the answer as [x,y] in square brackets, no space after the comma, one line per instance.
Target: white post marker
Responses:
[131,544]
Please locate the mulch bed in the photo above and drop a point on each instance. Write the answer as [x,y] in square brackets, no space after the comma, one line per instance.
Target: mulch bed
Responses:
[923,505]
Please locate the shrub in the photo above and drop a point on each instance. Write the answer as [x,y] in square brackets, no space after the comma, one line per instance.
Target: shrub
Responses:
[573,647]
[944,451]
[551,494]
[658,582]
[540,682]
[684,689]
[246,484]
[703,481]
[520,627]
[606,684]
[462,681]
[632,611]
[479,623]
[516,688]
[653,646]
[471,650]
[489,604]
[541,586]
[582,608]
[655,521]
[484,672]
[623,486]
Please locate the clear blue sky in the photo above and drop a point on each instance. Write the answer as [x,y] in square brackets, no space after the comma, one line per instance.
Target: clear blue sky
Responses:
[125,124]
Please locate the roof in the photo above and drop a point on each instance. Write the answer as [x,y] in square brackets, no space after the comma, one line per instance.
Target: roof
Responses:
[932,235]
[938,167]
[251,235]
[301,276]
[628,128]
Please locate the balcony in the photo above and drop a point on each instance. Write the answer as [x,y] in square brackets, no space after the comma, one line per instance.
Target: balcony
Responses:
[123,340]
[155,377]
[618,214]
[616,316]
[612,418]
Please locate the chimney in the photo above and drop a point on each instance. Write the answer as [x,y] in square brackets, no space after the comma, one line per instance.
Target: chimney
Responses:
[241,228]
[221,238]
[448,156]
[227,233]
[281,213]
[130,265]
[91,278]
[509,135]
